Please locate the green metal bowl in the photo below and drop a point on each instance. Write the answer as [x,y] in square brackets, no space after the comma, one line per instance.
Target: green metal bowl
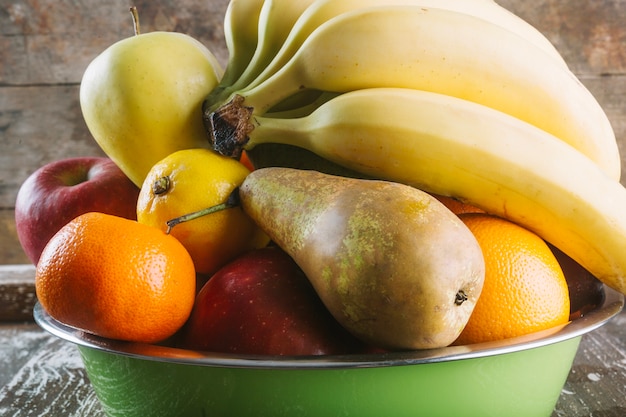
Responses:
[515,377]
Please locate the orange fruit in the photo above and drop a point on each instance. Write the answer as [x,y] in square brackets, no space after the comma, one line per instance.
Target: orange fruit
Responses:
[245,160]
[457,206]
[524,289]
[116,278]
[191,180]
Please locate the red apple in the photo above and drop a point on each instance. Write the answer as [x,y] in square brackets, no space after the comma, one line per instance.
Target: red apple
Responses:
[60,191]
[262,304]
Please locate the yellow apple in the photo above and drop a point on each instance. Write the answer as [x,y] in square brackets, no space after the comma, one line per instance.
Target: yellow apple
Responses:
[142,97]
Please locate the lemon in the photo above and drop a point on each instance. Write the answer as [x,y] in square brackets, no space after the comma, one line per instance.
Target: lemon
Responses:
[191,180]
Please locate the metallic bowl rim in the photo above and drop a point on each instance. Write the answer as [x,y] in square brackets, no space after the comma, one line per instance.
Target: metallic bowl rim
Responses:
[612,305]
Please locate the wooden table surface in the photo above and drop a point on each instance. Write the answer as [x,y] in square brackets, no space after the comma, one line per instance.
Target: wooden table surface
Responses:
[42,375]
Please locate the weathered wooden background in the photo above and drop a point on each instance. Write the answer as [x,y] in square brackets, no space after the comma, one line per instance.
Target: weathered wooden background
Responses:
[45,46]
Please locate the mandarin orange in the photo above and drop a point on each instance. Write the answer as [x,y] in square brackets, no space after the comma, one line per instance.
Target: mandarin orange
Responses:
[524,290]
[457,206]
[116,278]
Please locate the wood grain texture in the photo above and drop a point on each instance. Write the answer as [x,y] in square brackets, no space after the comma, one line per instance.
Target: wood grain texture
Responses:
[39,125]
[17,344]
[17,292]
[591,35]
[10,250]
[48,42]
[56,383]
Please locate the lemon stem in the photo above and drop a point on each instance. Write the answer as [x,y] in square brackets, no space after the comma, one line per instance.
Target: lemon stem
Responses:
[232,201]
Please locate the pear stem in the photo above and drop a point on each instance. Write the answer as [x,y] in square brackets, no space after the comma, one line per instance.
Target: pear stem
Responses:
[135,14]
[232,201]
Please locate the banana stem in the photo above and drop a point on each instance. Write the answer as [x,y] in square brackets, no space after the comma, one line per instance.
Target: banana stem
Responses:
[229,127]
[232,201]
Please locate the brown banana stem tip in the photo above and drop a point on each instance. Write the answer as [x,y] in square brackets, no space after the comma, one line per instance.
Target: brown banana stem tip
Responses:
[228,127]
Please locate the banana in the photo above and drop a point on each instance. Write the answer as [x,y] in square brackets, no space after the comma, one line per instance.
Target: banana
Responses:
[275,22]
[240,32]
[324,10]
[257,28]
[295,107]
[446,52]
[449,146]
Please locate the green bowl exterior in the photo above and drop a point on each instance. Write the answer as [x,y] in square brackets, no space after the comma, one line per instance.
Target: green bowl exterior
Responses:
[523,383]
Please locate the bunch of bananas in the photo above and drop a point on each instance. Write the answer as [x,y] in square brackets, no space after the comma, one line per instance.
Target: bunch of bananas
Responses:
[456,97]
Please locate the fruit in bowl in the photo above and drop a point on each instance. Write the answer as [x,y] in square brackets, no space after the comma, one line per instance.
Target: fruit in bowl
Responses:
[262,304]
[186,182]
[116,278]
[528,145]
[391,263]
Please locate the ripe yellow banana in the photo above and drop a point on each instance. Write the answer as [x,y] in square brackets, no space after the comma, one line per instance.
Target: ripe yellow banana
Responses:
[240,31]
[321,11]
[254,31]
[450,53]
[275,22]
[457,148]
[298,107]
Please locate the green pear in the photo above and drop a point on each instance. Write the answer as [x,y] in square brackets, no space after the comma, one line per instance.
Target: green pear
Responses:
[391,263]
[142,97]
